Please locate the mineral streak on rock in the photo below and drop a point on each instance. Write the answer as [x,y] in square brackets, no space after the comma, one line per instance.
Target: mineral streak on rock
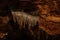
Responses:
[24,18]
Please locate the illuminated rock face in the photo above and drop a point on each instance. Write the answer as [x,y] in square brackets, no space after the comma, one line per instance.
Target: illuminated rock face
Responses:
[49,16]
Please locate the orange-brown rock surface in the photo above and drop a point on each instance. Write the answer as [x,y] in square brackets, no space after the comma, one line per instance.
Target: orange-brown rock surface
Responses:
[49,19]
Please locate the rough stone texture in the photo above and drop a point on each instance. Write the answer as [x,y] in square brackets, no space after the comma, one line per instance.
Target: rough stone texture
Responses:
[50,16]
[29,29]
